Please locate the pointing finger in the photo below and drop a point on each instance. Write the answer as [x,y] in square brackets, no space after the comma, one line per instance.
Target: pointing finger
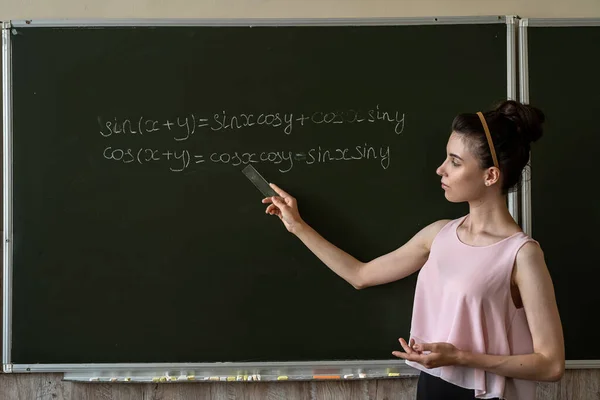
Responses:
[279,190]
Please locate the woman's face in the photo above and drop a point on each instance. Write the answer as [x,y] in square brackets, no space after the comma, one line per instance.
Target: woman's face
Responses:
[462,177]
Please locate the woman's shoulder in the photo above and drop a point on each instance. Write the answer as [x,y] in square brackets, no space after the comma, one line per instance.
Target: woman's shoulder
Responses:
[529,248]
[435,227]
[438,225]
[431,231]
[442,224]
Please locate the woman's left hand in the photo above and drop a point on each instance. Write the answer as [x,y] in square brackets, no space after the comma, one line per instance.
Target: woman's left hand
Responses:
[439,354]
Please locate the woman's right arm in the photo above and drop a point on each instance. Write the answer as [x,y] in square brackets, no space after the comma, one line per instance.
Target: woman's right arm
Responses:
[387,268]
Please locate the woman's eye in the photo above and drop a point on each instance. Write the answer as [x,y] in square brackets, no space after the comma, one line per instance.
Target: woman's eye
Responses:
[455,163]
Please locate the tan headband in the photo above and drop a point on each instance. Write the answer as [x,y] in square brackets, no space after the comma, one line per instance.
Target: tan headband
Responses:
[489,139]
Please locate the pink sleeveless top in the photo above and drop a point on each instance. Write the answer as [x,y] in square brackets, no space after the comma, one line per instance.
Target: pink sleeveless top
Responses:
[463,297]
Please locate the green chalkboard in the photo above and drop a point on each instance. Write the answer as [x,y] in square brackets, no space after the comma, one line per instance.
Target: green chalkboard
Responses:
[565,83]
[136,237]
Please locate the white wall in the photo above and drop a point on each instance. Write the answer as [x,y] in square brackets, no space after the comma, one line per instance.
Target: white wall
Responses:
[36,9]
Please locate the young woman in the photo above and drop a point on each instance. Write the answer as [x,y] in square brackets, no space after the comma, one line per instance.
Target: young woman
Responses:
[485,321]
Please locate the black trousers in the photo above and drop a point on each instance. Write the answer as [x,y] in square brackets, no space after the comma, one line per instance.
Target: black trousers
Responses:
[433,388]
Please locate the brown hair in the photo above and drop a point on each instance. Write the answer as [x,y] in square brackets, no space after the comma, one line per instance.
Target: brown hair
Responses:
[513,127]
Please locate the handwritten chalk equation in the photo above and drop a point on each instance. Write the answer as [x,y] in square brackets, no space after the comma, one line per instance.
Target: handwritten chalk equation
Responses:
[183,127]
[183,159]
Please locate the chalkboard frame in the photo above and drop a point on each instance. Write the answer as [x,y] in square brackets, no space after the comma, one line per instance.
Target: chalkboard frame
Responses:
[166,372]
[525,200]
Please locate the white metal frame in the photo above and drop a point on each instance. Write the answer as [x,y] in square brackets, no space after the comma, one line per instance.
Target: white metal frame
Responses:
[524,98]
[511,85]
[167,372]
[260,22]
[7,198]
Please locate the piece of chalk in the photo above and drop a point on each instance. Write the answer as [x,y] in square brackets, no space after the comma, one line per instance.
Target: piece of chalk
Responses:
[394,374]
[326,376]
[191,377]
[214,378]
[347,376]
[231,378]
[362,375]
[282,378]
[155,379]
[127,379]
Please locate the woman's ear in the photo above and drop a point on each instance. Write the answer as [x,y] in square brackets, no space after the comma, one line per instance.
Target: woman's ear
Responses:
[492,176]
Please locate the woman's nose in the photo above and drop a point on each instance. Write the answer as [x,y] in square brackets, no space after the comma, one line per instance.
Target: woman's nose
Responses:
[439,170]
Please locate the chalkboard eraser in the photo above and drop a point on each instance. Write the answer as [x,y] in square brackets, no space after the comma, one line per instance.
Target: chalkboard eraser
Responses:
[257,179]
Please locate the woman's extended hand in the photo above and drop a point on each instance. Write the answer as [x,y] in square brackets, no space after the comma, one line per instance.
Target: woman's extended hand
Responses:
[439,354]
[285,207]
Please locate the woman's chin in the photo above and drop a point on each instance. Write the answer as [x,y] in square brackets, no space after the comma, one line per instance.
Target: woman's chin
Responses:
[451,198]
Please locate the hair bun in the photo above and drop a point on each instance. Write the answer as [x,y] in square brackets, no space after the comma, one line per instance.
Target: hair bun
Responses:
[527,119]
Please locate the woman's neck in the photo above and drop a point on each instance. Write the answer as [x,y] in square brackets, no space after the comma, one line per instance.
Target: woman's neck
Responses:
[489,215]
